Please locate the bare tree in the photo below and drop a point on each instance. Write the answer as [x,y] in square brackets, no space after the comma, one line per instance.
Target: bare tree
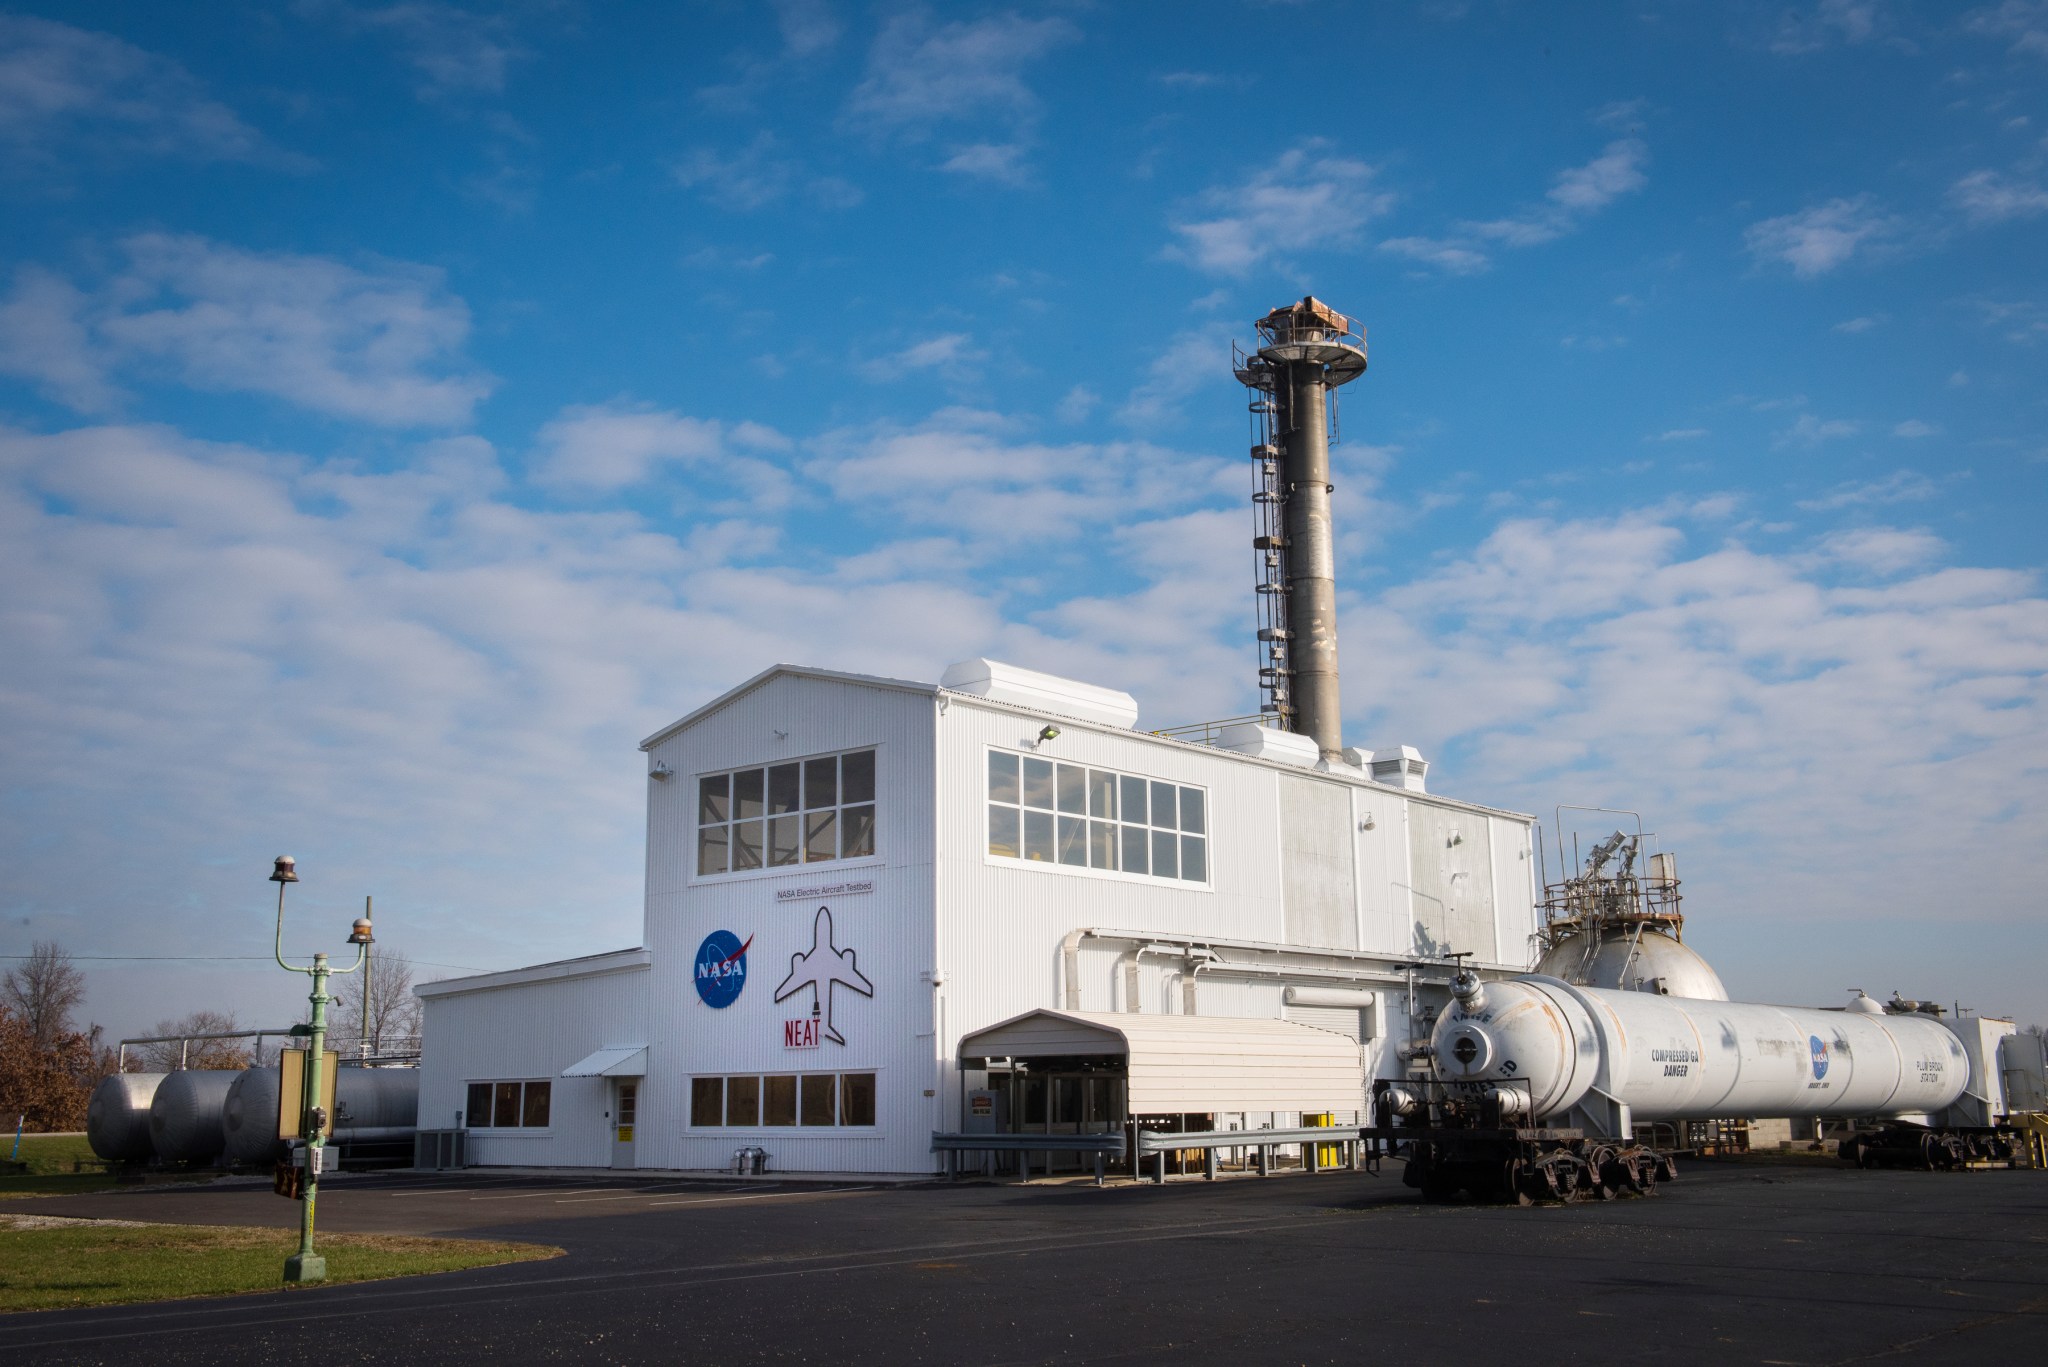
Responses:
[394,1010]
[43,992]
[199,1053]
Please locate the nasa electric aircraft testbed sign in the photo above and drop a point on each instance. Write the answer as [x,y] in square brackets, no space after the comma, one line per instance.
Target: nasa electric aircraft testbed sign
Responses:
[721,968]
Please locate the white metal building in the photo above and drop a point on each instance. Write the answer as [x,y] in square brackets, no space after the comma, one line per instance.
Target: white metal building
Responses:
[847,875]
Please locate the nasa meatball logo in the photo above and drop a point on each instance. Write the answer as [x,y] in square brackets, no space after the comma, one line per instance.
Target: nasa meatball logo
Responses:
[1820,1057]
[721,968]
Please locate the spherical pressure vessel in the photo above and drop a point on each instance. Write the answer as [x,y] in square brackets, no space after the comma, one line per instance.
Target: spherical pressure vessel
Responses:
[1670,1057]
[117,1117]
[249,1118]
[1649,961]
[185,1114]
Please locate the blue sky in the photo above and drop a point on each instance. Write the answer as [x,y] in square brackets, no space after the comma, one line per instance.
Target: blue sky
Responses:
[404,408]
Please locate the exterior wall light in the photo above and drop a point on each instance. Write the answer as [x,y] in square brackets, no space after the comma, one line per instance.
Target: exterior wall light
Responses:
[661,773]
[1048,733]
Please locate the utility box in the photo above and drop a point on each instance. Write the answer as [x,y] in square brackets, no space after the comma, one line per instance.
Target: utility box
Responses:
[291,1092]
[987,1113]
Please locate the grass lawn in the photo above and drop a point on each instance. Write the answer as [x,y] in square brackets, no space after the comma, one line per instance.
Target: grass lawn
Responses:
[58,1165]
[102,1263]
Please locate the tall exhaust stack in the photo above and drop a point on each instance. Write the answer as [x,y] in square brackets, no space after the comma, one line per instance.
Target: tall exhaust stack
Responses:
[1306,350]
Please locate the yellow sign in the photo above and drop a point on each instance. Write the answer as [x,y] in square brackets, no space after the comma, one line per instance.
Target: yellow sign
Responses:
[291,1091]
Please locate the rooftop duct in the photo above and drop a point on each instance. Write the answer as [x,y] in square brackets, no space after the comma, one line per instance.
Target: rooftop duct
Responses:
[998,682]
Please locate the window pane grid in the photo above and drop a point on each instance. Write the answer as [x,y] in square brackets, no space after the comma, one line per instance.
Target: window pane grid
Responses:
[781,815]
[508,1105]
[1049,812]
[799,1100]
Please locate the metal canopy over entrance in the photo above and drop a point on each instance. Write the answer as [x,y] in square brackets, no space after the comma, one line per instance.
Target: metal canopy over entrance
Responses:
[1181,1065]
[630,1061]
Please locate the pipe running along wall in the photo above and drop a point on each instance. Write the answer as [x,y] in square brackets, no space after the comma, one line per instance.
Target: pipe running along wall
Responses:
[1666,1058]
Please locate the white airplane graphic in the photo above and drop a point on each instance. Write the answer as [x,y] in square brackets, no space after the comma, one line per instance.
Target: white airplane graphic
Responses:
[818,968]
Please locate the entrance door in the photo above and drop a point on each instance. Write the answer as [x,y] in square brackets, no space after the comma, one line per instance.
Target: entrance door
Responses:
[625,1106]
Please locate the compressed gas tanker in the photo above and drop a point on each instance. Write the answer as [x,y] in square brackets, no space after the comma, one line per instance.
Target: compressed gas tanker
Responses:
[1537,1046]
[117,1116]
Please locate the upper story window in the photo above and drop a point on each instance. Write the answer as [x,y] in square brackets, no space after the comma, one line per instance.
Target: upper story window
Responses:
[802,812]
[1046,812]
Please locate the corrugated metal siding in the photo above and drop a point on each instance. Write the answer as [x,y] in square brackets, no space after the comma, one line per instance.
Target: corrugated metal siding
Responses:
[889,930]
[1316,870]
[1201,1064]
[533,1030]
[1348,1021]
[1514,891]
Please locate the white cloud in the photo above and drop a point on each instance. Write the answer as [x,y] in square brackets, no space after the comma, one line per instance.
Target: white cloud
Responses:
[65,88]
[999,162]
[2024,22]
[1988,197]
[948,351]
[1809,431]
[380,343]
[1817,240]
[1310,199]
[1900,486]
[920,77]
[1192,363]
[759,175]
[1913,427]
[1446,256]
[613,446]
[1576,194]
[809,27]
[1076,405]
[1683,434]
[1883,550]
[1852,326]
[456,51]
[1828,22]
[2021,321]
[44,338]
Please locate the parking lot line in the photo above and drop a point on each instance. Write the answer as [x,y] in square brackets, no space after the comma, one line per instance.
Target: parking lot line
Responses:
[753,1196]
[551,1191]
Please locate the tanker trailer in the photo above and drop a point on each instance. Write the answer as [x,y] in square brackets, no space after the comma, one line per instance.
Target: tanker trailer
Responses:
[117,1116]
[1539,1082]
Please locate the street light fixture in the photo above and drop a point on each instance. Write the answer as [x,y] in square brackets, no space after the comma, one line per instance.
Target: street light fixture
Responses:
[306,1265]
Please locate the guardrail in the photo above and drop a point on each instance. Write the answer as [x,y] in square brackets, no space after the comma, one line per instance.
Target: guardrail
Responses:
[1102,1146]
[1156,1144]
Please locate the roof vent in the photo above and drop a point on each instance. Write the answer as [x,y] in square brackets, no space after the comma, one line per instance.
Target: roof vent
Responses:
[1401,767]
[1263,742]
[999,682]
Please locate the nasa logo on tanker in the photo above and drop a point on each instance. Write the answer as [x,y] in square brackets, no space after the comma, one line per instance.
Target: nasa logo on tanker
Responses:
[1820,1057]
[721,968]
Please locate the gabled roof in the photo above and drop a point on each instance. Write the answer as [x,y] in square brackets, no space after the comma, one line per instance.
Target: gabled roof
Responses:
[588,966]
[773,671]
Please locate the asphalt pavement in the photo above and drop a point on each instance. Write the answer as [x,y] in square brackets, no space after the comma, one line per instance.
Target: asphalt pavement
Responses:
[1735,1263]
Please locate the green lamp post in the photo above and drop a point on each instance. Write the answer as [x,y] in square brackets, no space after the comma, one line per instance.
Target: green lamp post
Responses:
[306,1265]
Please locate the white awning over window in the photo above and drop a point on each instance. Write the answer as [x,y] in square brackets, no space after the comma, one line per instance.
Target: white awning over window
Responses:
[1193,1064]
[630,1061]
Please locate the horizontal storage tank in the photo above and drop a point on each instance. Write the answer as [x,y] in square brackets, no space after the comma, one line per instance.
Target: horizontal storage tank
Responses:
[249,1117]
[185,1115]
[370,1104]
[1669,1057]
[117,1117]
[376,1099]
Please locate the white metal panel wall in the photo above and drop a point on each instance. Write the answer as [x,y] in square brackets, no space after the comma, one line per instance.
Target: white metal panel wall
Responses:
[1379,830]
[1316,873]
[1514,891]
[532,1030]
[889,929]
[1451,865]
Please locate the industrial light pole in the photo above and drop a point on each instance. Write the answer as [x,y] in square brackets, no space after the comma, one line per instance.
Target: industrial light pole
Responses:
[306,1265]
